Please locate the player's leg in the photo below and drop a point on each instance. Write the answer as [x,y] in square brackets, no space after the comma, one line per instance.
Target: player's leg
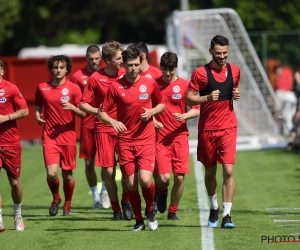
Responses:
[105,202]
[2,227]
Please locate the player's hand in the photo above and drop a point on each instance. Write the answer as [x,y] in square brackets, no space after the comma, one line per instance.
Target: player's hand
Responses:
[67,105]
[157,125]
[179,117]
[118,126]
[147,114]
[214,95]
[39,120]
[236,94]
[3,118]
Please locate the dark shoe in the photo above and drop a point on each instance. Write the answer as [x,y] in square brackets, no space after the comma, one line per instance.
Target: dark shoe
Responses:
[213,218]
[155,208]
[127,211]
[152,222]
[67,211]
[172,216]
[162,203]
[53,210]
[117,216]
[139,226]
[227,223]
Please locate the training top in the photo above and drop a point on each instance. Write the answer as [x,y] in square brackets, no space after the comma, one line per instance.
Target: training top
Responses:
[174,94]
[152,72]
[59,128]
[81,77]
[11,100]
[219,114]
[129,99]
[96,90]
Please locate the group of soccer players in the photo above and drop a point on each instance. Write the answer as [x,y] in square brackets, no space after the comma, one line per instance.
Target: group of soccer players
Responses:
[135,114]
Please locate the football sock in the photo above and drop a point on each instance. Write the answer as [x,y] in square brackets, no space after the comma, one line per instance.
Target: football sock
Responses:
[164,192]
[226,208]
[17,209]
[54,188]
[136,203]
[125,198]
[148,194]
[103,188]
[115,206]
[68,190]
[173,209]
[95,194]
[0,214]
[213,202]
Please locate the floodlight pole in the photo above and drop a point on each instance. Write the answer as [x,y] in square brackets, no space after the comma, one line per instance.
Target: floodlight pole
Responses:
[184,5]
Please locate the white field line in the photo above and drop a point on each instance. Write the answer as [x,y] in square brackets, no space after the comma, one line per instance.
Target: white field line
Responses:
[283,215]
[276,221]
[283,208]
[207,233]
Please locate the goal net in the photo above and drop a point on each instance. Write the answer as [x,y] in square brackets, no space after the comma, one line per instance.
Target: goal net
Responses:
[189,34]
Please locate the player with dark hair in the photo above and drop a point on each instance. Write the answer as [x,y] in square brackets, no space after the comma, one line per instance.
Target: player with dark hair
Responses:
[59,100]
[217,83]
[87,131]
[106,136]
[134,96]
[172,146]
[12,107]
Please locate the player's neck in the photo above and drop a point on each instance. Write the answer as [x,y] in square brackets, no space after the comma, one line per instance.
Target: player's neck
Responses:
[111,71]
[216,65]
[144,66]
[167,80]
[91,70]
[132,79]
[58,82]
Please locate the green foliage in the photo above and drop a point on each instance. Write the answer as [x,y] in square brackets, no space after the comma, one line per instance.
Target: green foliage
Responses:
[89,36]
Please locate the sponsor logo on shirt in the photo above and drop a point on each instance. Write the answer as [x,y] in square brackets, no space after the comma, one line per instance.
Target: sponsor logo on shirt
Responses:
[176,89]
[65,98]
[46,88]
[65,91]
[176,96]
[148,76]
[123,94]
[143,88]
[102,79]
[123,87]
[2,92]
[121,77]
[144,96]
[2,100]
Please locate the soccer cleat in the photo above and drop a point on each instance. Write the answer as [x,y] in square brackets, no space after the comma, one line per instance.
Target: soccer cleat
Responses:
[67,211]
[139,226]
[105,202]
[54,207]
[117,216]
[2,227]
[19,223]
[155,208]
[162,202]
[227,223]
[96,205]
[213,218]
[152,222]
[172,216]
[127,211]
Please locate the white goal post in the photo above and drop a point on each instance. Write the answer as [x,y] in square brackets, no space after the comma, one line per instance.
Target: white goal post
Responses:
[189,34]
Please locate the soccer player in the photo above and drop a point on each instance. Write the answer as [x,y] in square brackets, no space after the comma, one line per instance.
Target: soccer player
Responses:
[12,107]
[106,136]
[217,83]
[56,104]
[133,96]
[146,69]
[87,132]
[172,146]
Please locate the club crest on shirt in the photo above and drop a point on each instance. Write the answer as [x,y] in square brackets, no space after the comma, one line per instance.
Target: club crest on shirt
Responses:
[2,100]
[176,89]
[65,91]
[65,98]
[143,88]
[2,92]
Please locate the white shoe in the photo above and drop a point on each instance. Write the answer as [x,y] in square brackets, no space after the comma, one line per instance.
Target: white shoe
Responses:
[96,205]
[105,202]
[2,227]
[19,223]
[152,221]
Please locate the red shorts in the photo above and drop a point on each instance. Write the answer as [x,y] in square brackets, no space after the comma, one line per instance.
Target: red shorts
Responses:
[64,155]
[87,144]
[106,149]
[10,160]
[133,158]
[172,156]
[217,146]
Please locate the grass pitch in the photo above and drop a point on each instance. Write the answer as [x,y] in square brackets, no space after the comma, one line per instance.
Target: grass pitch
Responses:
[267,191]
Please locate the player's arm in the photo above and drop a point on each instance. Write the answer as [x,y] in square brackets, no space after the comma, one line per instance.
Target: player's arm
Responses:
[193,99]
[192,113]
[73,108]
[236,94]
[118,126]
[148,113]
[21,113]
[38,115]
[87,108]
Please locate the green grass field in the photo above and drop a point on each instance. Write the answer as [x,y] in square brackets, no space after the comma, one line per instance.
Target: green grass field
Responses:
[264,179]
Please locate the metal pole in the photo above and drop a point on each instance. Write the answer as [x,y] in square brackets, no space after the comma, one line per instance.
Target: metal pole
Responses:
[184,5]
